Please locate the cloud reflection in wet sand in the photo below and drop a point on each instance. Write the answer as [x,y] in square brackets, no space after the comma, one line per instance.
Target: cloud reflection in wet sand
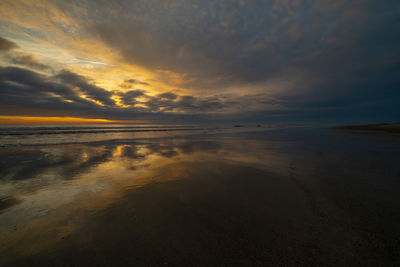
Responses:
[48,191]
[184,201]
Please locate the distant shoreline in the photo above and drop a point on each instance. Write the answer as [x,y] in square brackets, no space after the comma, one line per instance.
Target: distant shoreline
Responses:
[381,127]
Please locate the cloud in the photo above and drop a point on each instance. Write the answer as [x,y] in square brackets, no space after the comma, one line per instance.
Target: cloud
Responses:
[27,60]
[129,97]
[17,57]
[217,44]
[83,85]
[134,81]
[6,45]
[258,58]
[25,88]
[168,95]
[25,92]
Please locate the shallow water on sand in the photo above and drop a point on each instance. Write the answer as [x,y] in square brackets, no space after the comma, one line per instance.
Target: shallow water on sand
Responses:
[286,197]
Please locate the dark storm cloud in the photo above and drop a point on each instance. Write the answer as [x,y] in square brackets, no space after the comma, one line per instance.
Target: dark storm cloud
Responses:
[88,89]
[28,93]
[129,98]
[256,59]
[186,103]
[243,40]
[192,105]
[25,88]
[345,52]
[168,95]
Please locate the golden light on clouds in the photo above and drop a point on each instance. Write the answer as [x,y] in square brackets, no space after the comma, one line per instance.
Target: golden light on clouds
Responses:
[91,100]
[118,101]
[190,59]
[62,46]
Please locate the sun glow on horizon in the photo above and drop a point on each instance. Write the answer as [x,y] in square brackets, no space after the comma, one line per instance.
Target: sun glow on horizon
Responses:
[50,120]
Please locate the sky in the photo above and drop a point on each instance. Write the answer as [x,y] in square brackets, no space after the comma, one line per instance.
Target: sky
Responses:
[177,61]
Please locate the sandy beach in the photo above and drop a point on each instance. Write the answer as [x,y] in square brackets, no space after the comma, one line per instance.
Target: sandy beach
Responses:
[291,197]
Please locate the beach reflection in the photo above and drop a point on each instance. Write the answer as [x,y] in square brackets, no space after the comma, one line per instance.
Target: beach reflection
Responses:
[47,191]
[208,200]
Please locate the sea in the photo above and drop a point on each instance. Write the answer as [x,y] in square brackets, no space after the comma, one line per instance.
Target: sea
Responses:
[57,134]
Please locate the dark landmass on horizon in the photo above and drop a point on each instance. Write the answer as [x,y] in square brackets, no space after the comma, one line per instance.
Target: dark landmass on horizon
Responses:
[381,127]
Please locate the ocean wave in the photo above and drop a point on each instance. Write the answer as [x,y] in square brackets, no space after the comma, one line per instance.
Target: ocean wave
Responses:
[51,128]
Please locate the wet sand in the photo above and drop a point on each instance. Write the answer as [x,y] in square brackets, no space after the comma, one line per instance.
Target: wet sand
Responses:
[300,197]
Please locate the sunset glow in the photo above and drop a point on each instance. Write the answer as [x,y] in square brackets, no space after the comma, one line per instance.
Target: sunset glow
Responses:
[49,120]
[199,133]
[180,61]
